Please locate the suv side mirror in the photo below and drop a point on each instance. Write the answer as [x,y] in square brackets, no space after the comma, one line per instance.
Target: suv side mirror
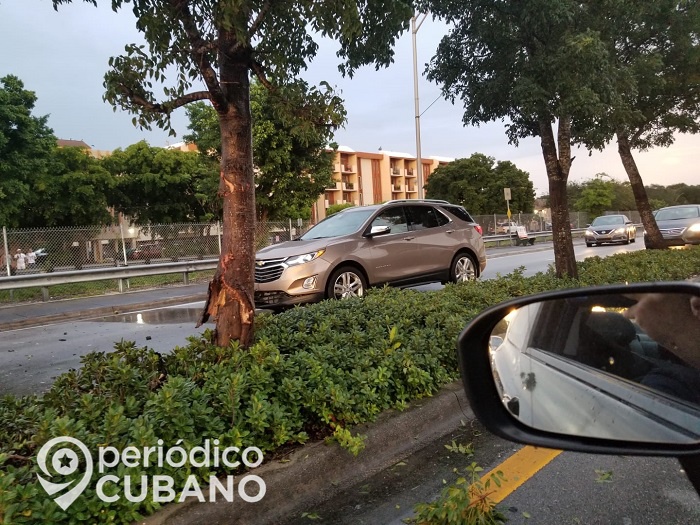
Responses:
[607,369]
[379,230]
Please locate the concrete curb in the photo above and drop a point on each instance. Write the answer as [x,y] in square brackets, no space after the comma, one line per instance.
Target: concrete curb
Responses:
[314,473]
[97,312]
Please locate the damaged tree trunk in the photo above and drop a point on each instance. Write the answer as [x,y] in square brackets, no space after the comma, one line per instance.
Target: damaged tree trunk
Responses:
[230,298]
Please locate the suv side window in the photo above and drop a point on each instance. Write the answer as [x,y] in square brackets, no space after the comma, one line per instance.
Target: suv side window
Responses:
[424,217]
[393,217]
[459,212]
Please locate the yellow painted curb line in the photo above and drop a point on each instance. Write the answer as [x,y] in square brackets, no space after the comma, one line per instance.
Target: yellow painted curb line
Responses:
[517,469]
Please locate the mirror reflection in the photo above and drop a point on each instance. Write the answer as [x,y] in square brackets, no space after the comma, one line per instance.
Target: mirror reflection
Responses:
[615,366]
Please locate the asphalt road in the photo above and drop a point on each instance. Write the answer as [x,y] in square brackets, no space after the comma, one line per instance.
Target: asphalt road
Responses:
[31,358]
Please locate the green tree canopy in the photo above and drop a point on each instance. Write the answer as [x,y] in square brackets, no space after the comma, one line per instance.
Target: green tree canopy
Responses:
[531,64]
[657,46]
[162,186]
[220,43]
[73,191]
[26,143]
[597,196]
[477,183]
[293,163]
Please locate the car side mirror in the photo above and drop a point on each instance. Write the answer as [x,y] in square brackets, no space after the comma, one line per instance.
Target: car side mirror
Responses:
[607,369]
[379,230]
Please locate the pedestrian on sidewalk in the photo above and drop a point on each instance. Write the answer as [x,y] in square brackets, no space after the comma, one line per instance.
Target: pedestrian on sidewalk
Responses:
[20,260]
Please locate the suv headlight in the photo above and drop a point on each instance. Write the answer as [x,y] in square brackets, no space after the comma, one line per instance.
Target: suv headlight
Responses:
[301,259]
[620,230]
[695,228]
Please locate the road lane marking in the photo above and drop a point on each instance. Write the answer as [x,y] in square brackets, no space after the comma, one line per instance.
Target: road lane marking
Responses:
[517,469]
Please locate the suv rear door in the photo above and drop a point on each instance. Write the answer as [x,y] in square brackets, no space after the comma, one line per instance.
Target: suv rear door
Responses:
[435,239]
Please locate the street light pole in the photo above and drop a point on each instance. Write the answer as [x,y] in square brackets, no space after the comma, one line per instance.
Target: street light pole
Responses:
[419,168]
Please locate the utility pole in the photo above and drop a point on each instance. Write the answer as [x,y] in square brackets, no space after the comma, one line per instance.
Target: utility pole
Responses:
[415,26]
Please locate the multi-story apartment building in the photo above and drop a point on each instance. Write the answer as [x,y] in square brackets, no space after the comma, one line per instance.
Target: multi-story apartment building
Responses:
[362,178]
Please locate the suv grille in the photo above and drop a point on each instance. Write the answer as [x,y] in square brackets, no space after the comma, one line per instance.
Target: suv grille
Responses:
[268,270]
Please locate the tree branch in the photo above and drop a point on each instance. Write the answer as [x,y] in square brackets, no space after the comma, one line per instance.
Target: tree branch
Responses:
[260,73]
[200,48]
[165,107]
[258,20]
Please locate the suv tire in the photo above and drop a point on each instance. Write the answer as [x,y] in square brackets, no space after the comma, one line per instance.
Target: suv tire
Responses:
[345,282]
[463,268]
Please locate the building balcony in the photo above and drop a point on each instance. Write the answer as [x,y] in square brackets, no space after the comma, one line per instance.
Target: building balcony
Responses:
[347,168]
[334,187]
[395,171]
[348,186]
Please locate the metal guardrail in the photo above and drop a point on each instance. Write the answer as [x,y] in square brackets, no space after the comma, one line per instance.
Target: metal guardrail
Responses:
[121,274]
[510,238]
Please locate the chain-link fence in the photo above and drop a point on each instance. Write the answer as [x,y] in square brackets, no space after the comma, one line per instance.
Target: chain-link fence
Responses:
[24,251]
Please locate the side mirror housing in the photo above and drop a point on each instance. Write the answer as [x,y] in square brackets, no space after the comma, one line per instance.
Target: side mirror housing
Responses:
[379,230]
[575,370]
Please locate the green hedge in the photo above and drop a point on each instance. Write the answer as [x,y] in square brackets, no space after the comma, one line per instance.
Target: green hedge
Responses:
[313,373]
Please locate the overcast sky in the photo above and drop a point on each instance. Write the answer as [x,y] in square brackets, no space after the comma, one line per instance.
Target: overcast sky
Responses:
[62,57]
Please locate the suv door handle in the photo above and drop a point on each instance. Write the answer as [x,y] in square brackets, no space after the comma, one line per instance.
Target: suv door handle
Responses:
[450,231]
[408,238]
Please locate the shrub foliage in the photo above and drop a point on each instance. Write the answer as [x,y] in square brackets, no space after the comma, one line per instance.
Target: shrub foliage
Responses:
[313,373]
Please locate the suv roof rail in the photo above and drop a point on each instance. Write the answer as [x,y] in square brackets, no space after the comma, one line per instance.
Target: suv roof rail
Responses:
[437,201]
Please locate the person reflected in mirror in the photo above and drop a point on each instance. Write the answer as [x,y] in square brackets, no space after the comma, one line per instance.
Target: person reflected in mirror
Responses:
[673,321]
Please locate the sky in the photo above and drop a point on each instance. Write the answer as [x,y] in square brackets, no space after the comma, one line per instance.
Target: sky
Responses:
[63,56]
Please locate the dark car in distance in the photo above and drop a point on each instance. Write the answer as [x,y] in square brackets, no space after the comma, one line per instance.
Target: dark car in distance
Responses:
[679,225]
[144,252]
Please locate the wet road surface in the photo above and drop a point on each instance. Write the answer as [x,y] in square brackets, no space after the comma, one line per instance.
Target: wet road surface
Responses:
[30,359]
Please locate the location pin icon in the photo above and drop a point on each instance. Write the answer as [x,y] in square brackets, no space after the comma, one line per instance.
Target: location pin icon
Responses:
[64,462]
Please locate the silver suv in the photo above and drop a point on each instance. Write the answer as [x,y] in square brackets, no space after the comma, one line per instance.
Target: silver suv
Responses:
[401,243]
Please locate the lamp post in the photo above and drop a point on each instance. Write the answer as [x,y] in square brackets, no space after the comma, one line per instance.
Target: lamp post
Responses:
[415,26]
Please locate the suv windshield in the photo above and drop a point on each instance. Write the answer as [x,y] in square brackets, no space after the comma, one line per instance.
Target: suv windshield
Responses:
[687,212]
[342,223]
[607,220]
